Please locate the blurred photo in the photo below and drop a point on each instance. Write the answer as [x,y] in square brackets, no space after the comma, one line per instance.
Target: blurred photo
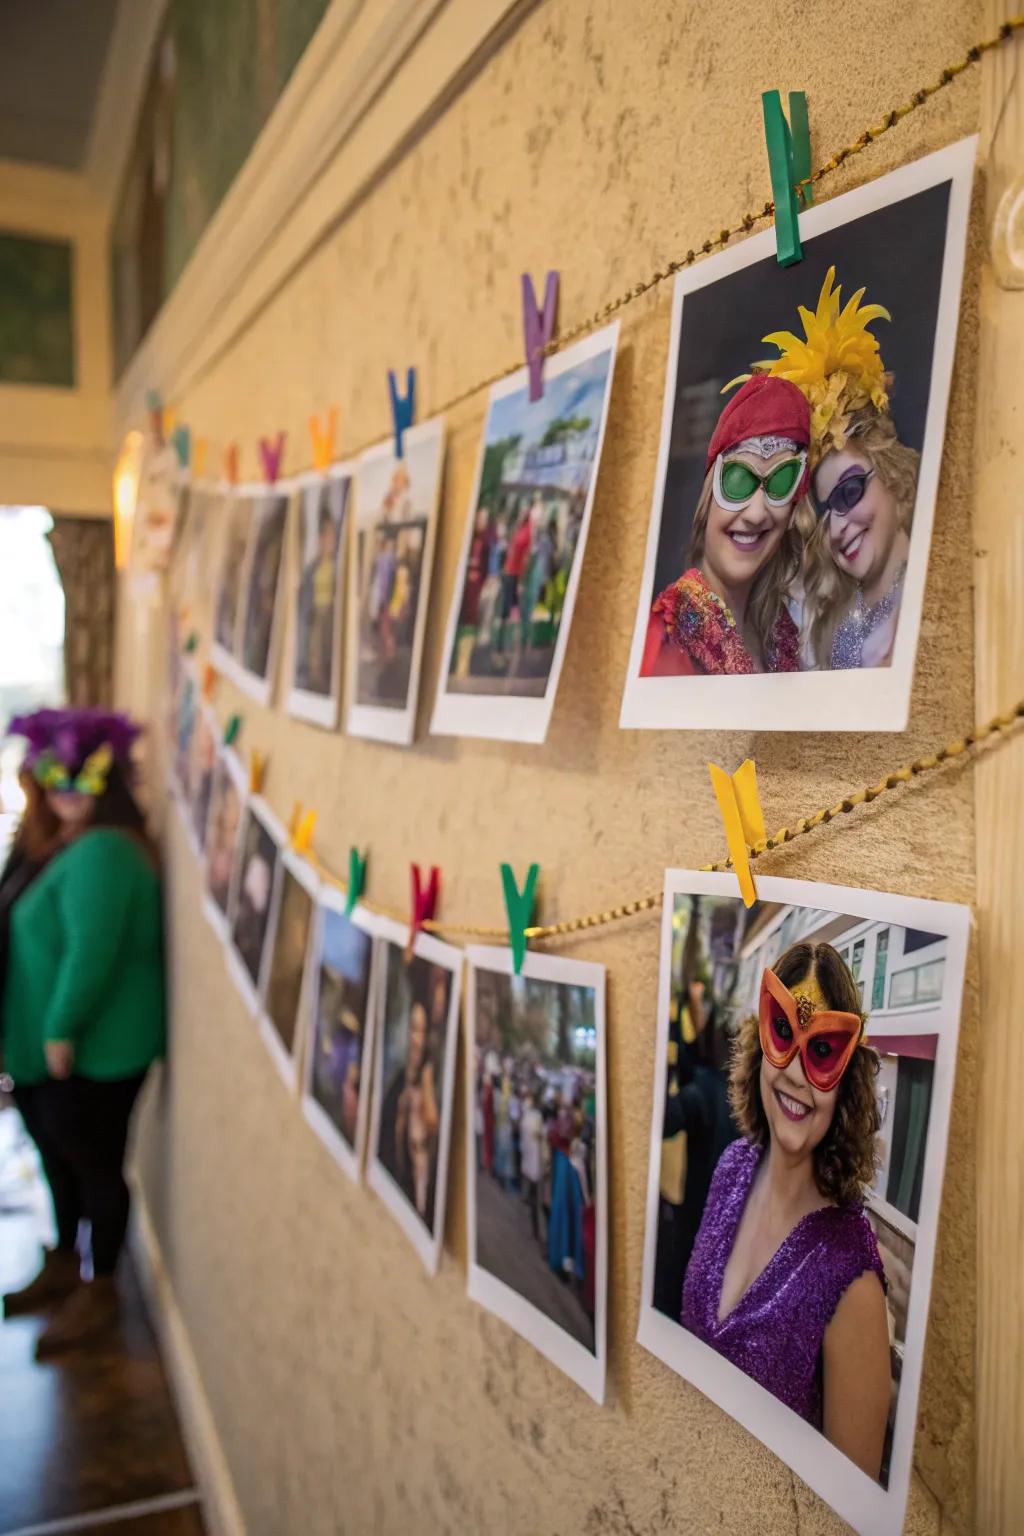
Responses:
[315,682]
[287,964]
[223,825]
[202,763]
[231,588]
[250,916]
[258,628]
[338,1068]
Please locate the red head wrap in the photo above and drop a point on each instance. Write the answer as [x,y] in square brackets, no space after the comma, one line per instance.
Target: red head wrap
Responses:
[765,406]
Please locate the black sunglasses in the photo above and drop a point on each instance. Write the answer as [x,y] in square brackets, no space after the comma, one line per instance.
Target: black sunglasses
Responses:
[846,494]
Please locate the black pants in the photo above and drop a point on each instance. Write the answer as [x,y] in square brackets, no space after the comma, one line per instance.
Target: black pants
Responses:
[81,1129]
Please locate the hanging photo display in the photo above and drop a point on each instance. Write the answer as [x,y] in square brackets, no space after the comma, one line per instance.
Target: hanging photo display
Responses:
[281,996]
[314,684]
[416,1034]
[257,634]
[336,1095]
[223,828]
[524,545]
[537,1146]
[201,765]
[259,851]
[805,1054]
[184,728]
[232,582]
[804,416]
[397,501]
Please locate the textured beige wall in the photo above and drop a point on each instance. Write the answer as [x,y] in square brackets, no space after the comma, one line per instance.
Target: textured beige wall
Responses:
[352,1392]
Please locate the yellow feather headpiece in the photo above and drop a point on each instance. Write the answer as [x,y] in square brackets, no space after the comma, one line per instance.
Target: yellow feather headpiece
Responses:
[836,363]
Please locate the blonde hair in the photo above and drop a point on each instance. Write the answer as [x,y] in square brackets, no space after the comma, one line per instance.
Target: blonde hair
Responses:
[773,581]
[830,592]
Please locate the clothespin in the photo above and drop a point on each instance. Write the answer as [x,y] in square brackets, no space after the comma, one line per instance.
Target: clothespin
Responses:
[168,422]
[301,827]
[742,818]
[191,642]
[403,407]
[199,451]
[323,438]
[356,879]
[538,328]
[424,902]
[789,160]
[257,770]
[270,456]
[209,680]
[155,407]
[231,463]
[181,437]
[232,729]
[519,905]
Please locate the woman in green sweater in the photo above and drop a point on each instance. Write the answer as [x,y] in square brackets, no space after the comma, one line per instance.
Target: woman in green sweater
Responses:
[83,1004]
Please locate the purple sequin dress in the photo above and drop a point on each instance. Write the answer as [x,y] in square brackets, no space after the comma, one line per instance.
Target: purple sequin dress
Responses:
[775,1331]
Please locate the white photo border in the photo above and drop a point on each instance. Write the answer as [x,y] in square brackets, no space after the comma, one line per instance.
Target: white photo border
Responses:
[220,921]
[287,1062]
[221,656]
[260,686]
[252,991]
[320,709]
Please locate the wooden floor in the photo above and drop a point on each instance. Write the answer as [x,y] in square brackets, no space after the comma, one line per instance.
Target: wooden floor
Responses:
[88,1433]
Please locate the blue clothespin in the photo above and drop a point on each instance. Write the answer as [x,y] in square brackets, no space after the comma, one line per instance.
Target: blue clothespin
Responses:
[789,160]
[403,407]
[538,328]
[181,437]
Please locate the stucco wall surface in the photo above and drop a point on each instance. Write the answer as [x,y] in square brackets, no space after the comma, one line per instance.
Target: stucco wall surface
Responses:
[353,1393]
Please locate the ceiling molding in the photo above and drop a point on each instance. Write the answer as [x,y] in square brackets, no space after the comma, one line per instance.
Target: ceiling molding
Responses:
[371,76]
[121,93]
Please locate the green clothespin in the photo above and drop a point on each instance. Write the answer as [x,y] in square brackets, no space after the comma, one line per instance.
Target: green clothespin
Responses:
[232,729]
[519,905]
[356,879]
[192,643]
[789,160]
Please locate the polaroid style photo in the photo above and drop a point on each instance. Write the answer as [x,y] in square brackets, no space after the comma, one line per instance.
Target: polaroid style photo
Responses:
[260,620]
[237,509]
[229,793]
[283,992]
[805,1054]
[802,431]
[397,502]
[260,846]
[314,666]
[524,544]
[202,763]
[415,1043]
[536,1154]
[339,1050]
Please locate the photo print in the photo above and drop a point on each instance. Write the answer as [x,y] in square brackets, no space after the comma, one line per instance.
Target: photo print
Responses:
[257,632]
[336,1096]
[537,1187]
[262,839]
[232,582]
[314,684]
[805,1053]
[524,545]
[282,992]
[185,723]
[397,504]
[228,793]
[415,1041]
[201,765]
[803,422]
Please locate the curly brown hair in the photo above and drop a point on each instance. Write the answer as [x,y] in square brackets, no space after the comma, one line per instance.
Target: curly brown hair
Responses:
[845,1158]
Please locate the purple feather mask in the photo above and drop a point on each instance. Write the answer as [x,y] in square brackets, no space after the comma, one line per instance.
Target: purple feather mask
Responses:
[73,749]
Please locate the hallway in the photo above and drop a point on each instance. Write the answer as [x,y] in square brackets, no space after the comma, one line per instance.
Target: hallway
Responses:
[88,1441]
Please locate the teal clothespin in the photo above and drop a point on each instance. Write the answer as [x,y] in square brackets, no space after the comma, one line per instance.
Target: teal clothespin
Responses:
[232,729]
[356,879]
[181,437]
[789,160]
[519,905]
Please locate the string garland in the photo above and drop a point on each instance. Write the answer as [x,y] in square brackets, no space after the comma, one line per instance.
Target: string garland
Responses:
[744,226]
[998,726]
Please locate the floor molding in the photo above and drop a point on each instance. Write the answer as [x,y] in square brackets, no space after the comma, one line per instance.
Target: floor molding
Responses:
[220,1502]
[138,1509]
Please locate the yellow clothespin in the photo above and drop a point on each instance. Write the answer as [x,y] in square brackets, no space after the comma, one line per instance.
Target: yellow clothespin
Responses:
[257,770]
[200,448]
[323,438]
[743,819]
[168,421]
[300,828]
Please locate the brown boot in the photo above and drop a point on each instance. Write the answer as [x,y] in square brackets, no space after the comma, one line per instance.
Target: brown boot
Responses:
[86,1314]
[58,1277]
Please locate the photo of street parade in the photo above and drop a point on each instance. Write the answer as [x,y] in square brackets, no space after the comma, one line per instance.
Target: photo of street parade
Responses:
[338,1070]
[396,510]
[513,603]
[417,1020]
[537,1180]
[824,1034]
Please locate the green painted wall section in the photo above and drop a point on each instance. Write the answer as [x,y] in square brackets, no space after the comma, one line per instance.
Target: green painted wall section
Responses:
[36,331]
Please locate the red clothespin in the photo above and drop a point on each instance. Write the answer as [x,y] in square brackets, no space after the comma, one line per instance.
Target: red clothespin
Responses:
[424,902]
[271,454]
[538,328]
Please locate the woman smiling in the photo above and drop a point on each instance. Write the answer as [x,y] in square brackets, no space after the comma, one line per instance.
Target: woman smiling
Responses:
[727,612]
[786,1280]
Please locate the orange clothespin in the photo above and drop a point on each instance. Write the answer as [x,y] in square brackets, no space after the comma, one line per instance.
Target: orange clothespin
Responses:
[257,770]
[323,439]
[168,422]
[231,463]
[200,448]
[209,681]
[742,818]
[301,827]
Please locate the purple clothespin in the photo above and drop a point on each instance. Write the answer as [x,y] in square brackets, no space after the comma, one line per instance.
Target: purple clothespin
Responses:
[538,328]
[403,407]
[270,455]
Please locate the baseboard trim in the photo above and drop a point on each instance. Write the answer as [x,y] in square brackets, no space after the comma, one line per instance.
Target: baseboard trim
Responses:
[221,1508]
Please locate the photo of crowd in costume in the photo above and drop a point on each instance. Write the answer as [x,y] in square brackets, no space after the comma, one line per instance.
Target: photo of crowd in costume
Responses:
[340,1050]
[805,1061]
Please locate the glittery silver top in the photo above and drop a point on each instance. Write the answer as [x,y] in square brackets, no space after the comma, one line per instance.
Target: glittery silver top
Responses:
[851,632]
